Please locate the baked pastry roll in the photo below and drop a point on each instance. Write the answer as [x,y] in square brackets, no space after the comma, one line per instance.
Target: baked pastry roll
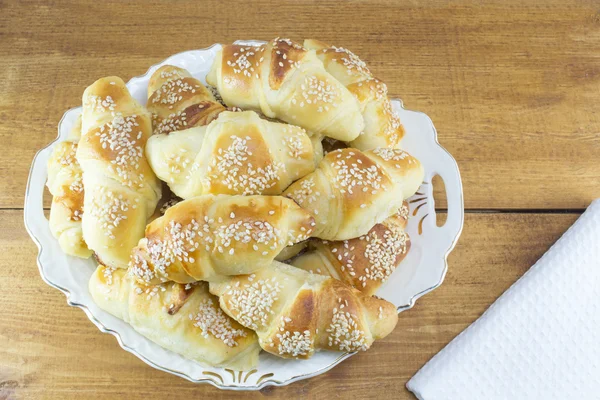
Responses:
[185,319]
[295,313]
[209,236]
[66,186]
[179,101]
[238,153]
[365,262]
[351,191]
[121,191]
[284,80]
[382,124]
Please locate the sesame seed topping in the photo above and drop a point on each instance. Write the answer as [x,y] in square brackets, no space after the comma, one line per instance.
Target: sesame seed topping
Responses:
[350,177]
[404,211]
[77,185]
[232,166]
[252,302]
[99,104]
[173,122]
[212,321]
[344,331]
[352,62]
[108,275]
[171,91]
[222,237]
[121,137]
[109,209]
[305,194]
[391,154]
[66,155]
[174,73]
[293,343]
[178,243]
[140,270]
[295,146]
[383,252]
[319,92]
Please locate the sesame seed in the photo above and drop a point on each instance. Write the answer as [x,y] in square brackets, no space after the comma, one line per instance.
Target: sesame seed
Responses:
[232,167]
[251,303]
[305,194]
[391,154]
[211,320]
[170,92]
[293,343]
[109,210]
[121,137]
[344,332]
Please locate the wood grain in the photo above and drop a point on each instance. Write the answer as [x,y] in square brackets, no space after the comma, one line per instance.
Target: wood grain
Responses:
[50,350]
[512,88]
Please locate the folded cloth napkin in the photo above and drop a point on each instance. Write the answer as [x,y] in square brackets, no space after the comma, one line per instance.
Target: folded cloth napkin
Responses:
[539,340]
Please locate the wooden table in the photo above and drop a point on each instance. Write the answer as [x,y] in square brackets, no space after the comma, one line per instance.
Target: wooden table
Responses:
[512,89]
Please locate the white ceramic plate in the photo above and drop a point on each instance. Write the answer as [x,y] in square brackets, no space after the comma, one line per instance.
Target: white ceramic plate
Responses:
[422,270]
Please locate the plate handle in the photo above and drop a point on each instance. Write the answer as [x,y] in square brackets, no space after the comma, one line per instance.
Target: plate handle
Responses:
[454,193]
[34,195]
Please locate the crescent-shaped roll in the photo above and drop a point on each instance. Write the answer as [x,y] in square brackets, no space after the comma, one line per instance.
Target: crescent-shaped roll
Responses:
[185,319]
[284,80]
[382,124]
[365,262]
[121,191]
[351,191]
[295,313]
[66,186]
[238,153]
[179,101]
[207,237]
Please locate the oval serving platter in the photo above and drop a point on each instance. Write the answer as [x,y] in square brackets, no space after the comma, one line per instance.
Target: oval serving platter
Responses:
[420,272]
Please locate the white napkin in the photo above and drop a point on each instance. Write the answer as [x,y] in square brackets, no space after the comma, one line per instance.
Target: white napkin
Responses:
[539,340]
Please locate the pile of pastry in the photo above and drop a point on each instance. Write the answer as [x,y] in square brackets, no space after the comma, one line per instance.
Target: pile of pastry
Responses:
[261,212]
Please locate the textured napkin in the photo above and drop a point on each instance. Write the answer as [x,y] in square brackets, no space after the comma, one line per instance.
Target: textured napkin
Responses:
[539,340]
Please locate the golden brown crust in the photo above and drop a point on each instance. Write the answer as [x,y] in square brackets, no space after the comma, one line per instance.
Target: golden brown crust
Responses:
[234,137]
[184,319]
[68,193]
[122,151]
[240,65]
[356,176]
[299,322]
[179,101]
[283,80]
[364,263]
[238,153]
[296,313]
[121,190]
[66,186]
[285,56]
[351,191]
[209,236]
[382,125]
